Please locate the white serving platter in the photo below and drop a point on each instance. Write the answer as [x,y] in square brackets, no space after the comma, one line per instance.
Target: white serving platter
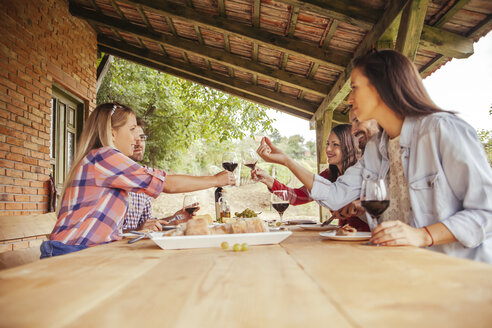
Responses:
[207,241]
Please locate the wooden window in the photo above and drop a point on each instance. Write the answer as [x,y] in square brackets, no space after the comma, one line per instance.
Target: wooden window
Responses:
[66,123]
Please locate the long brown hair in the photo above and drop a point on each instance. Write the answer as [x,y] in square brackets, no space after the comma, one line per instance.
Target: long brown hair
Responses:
[350,150]
[397,82]
[96,134]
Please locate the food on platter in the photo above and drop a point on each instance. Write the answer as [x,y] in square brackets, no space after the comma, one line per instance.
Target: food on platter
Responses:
[200,226]
[346,230]
[247,213]
[197,226]
[208,217]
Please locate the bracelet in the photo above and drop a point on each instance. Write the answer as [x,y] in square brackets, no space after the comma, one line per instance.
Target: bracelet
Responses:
[432,239]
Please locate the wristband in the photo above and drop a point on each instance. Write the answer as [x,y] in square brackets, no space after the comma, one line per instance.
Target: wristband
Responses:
[432,239]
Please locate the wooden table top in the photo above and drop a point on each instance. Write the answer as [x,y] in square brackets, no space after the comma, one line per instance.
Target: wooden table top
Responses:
[303,282]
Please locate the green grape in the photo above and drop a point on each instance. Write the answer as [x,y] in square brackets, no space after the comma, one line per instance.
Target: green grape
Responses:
[278,224]
[236,247]
[224,245]
[244,247]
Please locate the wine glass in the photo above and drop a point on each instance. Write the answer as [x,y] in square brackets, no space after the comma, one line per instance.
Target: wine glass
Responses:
[374,198]
[280,202]
[250,158]
[229,161]
[190,204]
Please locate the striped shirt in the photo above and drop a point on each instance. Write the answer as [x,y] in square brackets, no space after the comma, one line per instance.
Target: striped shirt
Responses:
[139,211]
[94,206]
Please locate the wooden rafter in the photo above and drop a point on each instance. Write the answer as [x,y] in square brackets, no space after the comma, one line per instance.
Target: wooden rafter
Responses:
[330,33]
[341,87]
[334,59]
[203,51]
[256,13]
[221,6]
[293,21]
[450,13]
[341,10]
[118,48]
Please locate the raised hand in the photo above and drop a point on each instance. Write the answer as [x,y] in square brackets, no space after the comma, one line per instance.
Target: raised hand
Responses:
[270,153]
[262,176]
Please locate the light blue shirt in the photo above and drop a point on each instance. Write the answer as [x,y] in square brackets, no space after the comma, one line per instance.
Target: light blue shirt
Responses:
[449,181]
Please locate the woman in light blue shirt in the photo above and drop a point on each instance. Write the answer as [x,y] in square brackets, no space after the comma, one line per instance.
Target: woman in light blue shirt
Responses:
[448,178]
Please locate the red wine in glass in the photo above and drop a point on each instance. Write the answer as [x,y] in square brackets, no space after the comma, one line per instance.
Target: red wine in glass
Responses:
[374,199]
[375,207]
[280,207]
[280,202]
[251,165]
[190,210]
[229,166]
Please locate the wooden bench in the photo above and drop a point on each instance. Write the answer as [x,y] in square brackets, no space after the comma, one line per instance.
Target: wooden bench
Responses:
[21,236]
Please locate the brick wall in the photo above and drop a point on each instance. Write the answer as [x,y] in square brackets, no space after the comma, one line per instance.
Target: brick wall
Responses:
[40,44]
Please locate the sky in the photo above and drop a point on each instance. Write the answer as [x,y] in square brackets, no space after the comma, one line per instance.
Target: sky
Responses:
[462,85]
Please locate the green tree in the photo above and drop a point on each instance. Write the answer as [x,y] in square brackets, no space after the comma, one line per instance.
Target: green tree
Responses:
[295,146]
[180,113]
[311,145]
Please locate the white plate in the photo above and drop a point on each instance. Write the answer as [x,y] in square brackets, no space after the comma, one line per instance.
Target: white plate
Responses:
[359,235]
[205,241]
[317,227]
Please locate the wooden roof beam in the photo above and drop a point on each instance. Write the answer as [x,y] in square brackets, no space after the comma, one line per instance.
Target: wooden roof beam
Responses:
[330,58]
[342,10]
[257,91]
[446,43]
[410,29]
[341,88]
[203,51]
[452,45]
[207,83]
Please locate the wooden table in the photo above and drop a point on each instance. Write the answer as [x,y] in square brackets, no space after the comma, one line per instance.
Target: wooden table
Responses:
[303,282]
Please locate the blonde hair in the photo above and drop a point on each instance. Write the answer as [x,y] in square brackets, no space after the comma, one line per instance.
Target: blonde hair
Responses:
[96,134]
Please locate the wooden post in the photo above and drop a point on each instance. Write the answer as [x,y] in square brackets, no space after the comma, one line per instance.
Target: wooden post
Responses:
[411,24]
[323,128]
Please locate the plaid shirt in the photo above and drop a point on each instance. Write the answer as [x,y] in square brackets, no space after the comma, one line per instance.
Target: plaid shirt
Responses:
[139,211]
[299,196]
[94,206]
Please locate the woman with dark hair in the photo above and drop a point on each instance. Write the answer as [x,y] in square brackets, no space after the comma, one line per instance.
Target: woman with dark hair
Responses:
[440,183]
[342,152]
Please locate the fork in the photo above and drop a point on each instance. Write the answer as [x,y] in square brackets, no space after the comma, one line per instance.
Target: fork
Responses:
[327,222]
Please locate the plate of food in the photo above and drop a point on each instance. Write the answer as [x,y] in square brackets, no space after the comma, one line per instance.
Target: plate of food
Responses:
[346,233]
[197,233]
[318,227]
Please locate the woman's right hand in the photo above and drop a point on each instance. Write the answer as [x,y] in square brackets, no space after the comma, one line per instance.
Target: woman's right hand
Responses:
[270,153]
[225,178]
[262,176]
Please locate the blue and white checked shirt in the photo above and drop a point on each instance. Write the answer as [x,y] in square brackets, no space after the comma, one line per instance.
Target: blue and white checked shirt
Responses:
[139,211]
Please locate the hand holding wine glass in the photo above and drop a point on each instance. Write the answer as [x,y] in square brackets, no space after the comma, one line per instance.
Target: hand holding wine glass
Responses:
[374,198]
[280,202]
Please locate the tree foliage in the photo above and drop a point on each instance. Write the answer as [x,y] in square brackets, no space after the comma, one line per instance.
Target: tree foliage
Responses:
[180,115]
